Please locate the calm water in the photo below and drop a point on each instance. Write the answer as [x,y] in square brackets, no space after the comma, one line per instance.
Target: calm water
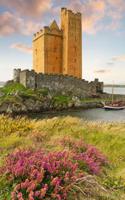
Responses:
[97,114]
[117,90]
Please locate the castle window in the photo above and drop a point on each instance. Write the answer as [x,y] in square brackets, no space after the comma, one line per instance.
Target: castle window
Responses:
[36,51]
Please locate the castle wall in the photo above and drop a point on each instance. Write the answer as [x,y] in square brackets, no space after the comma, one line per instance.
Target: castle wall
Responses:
[72,42]
[28,78]
[64,84]
[47,51]
[53,52]
[38,52]
[16,75]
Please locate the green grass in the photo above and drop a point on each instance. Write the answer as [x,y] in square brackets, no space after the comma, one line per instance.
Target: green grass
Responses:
[20,133]
[16,93]
[61,99]
[109,138]
[12,87]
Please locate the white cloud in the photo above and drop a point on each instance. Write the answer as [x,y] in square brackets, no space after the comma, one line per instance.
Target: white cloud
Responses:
[95,11]
[31,8]
[24,16]
[22,47]
[11,24]
[120,58]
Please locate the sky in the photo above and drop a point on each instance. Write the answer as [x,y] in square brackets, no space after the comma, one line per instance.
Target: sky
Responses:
[103,35]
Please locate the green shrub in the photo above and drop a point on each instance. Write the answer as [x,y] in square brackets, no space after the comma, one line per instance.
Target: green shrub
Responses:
[12,88]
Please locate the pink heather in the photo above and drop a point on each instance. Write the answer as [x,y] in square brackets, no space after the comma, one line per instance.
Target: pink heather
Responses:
[50,175]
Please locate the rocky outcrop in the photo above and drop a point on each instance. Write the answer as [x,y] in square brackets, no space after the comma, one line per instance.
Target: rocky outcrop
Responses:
[17,99]
[32,105]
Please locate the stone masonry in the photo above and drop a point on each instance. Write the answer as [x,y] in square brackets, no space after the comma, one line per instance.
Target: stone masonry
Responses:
[59,50]
[58,83]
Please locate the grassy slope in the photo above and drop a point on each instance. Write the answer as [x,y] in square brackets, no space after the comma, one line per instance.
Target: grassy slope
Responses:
[23,133]
[110,138]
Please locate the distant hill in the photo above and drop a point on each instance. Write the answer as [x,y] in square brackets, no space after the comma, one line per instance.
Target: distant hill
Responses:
[2,83]
[110,85]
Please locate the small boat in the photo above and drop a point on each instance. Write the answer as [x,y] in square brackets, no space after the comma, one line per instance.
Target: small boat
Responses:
[114,105]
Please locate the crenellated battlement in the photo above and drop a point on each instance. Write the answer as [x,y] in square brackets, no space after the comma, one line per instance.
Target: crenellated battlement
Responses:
[38,34]
[47,30]
[70,12]
[59,50]
[56,30]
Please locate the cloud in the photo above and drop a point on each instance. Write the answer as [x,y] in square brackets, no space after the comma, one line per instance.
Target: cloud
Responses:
[28,7]
[14,19]
[118,4]
[92,12]
[11,24]
[102,71]
[120,58]
[26,14]
[95,12]
[30,27]
[22,47]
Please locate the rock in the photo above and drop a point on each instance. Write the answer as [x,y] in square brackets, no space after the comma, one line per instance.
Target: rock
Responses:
[70,104]
[33,105]
[23,103]
[76,101]
[16,108]
[1,94]
[3,107]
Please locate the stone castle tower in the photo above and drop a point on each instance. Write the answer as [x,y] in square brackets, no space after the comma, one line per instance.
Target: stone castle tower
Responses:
[59,51]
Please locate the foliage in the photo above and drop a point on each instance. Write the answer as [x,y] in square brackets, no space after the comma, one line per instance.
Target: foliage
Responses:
[89,158]
[36,175]
[43,91]
[61,99]
[15,91]
[12,88]
[114,183]
[10,125]
[72,135]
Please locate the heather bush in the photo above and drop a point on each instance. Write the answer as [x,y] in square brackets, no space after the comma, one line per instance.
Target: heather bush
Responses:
[39,175]
[88,157]
[47,134]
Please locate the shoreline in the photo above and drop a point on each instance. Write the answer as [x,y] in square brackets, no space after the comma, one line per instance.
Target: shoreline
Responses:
[13,109]
[85,106]
[15,99]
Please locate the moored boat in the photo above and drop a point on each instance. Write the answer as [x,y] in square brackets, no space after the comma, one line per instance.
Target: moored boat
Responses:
[114,105]
[111,107]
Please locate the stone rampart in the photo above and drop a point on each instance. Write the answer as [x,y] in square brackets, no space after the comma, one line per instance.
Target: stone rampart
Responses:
[58,83]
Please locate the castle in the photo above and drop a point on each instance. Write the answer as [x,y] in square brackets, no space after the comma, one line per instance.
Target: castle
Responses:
[59,51]
[57,60]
